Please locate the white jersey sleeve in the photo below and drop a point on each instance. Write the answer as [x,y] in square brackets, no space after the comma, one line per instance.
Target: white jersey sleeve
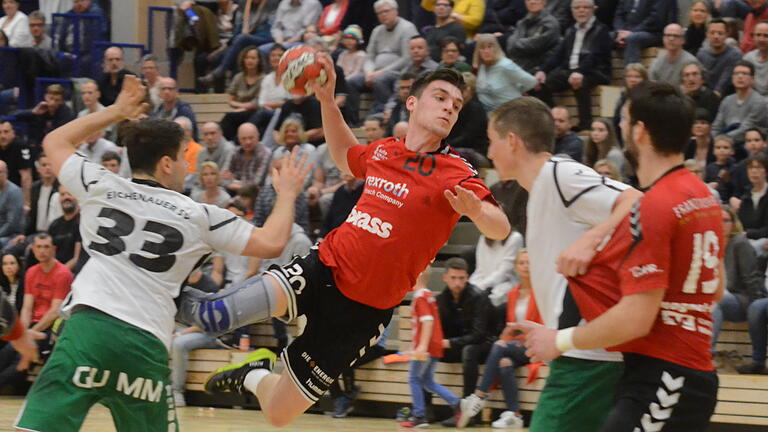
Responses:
[78,175]
[587,196]
[225,230]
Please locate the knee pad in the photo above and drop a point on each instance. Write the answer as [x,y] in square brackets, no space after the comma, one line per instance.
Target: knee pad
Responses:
[248,302]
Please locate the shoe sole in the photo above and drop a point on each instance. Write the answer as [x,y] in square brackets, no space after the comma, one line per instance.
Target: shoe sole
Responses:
[259,354]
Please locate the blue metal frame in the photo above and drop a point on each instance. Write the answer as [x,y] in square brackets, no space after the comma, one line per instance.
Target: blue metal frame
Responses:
[76,42]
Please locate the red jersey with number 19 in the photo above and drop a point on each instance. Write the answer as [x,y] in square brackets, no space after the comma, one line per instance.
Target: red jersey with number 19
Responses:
[400,221]
[673,240]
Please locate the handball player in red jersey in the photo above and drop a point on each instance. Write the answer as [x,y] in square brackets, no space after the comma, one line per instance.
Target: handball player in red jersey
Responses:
[650,291]
[416,189]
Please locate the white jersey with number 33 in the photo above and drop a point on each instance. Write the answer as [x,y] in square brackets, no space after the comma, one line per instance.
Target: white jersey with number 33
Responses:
[144,240]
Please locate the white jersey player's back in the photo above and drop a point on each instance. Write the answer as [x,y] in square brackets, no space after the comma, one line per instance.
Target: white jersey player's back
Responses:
[143,241]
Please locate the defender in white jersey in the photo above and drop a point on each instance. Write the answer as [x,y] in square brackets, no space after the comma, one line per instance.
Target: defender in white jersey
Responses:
[571,209]
[144,239]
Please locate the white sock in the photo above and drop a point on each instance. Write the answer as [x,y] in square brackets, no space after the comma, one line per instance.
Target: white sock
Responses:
[253,379]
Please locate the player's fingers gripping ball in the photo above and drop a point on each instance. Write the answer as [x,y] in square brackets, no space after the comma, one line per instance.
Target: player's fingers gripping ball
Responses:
[298,68]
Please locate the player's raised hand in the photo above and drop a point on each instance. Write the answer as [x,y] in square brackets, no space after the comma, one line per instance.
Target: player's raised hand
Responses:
[541,342]
[325,92]
[292,174]
[27,348]
[130,101]
[464,202]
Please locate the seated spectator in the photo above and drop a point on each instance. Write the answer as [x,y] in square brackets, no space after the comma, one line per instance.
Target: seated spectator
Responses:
[468,13]
[602,144]
[718,58]
[445,26]
[291,18]
[352,57]
[46,116]
[419,62]
[752,207]
[150,72]
[42,192]
[37,29]
[387,53]
[290,135]
[12,281]
[450,53]
[247,197]
[398,112]
[228,16]
[362,13]
[330,20]
[15,25]
[326,180]
[535,37]
[502,15]
[95,146]
[744,109]
[90,95]
[265,200]
[698,170]
[578,66]
[607,169]
[639,25]
[755,145]
[634,74]
[374,128]
[758,13]
[470,131]
[495,271]
[185,340]
[272,94]
[694,85]
[344,199]
[11,208]
[566,142]
[243,92]
[45,286]
[173,107]
[499,79]
[307,110]
[716,173]
[190,154]
[465,314]
[196,29]
[111,161]
[210,190]
[759,57]
[111,81]
[426,350]
[216,148]
[744,298]
[400,130]
[668,64]
[88,7]
[17,157]
[696,32]
[249,162]
[507,354]
[65,231]
[701,146]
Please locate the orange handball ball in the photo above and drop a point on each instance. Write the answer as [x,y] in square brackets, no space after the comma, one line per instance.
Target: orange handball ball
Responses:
[298,68]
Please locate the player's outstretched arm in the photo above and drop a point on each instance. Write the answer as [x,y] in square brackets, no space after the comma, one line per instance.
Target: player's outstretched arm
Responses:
[62,142]
[269,240]
[337,134]
[489,218]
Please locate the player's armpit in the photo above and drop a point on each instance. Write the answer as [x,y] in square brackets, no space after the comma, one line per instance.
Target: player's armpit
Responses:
[631,318]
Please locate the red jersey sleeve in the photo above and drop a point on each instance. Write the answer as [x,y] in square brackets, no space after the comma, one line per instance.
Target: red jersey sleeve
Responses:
[357,160]
[648,265]
[421,310]
[16,332]
[63,285]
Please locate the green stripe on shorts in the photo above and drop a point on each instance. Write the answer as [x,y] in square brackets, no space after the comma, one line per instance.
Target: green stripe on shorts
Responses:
[578,395]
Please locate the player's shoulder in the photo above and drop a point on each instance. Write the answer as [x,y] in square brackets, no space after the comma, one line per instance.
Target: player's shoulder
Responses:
[456,161]
[423,294]
[678,192]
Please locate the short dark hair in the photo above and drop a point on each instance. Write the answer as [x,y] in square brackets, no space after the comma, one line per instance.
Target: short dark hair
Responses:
[405,76]
[276,47]
[747,64]
[237,204]
[451,76]
[450,2]
[249,191]
[760,131]
[528,118]
[666,113]
[451,40]
[110,156]
[379,118]
[149,140]
[756,158]
[457,263]
[55,89]
[42,236]
[418,36]
[717,21]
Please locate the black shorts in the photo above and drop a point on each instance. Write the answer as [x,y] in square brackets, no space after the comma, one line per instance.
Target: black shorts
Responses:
[338,333]
[656,395]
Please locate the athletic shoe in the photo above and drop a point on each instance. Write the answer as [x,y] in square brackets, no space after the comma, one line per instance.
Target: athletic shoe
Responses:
[451,421]
[469,407]
[403,414]
[178,399]
[752,369]
[231,377]
[508,420]
[342,407]
[414,423]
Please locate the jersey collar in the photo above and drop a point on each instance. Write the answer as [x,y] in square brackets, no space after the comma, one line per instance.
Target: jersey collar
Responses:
[444,148]
[148,182]
[670,171]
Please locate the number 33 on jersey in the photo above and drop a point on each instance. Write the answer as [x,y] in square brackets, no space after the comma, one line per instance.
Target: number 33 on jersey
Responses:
[144,240]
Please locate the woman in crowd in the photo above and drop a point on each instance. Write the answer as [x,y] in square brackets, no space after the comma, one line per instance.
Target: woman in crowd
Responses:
[450,52]
[744,296]
[696,33]
[272,94]
[210,191]
[243,92]
[15,25]
[495,269]
[499,79]
[753,206]
[634,74]
[602,144]
[607,169]
[701,147]
[12,280]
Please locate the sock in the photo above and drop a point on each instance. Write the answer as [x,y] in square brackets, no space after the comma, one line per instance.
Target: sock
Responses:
[253,379]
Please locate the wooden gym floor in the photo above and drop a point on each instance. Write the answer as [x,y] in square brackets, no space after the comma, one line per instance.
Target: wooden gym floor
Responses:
[197,419]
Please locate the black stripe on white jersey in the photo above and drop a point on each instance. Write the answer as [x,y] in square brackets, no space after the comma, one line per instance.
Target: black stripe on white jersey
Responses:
[567,203]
